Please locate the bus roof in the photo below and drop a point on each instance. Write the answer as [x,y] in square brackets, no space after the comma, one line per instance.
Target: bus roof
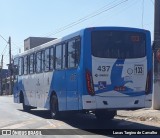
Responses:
[80,32]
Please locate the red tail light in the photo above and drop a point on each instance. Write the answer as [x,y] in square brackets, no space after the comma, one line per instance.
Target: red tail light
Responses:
[149,83]
[89,81]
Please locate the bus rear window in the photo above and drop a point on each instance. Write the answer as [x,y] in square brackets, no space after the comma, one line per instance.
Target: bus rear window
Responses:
[118,44]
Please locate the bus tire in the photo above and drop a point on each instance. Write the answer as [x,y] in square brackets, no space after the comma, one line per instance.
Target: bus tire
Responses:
[54,111]
[103,115]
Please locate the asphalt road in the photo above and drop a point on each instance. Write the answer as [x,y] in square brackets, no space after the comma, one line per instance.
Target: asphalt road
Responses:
[13,117]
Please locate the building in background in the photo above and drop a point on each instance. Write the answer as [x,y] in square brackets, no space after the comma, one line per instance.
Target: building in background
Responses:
[32,42]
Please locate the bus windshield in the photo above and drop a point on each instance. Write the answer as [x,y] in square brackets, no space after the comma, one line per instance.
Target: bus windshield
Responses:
[118,44]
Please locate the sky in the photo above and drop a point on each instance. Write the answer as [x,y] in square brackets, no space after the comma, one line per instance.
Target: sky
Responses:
[21,19]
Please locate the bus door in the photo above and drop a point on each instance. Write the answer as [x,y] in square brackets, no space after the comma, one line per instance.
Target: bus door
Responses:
[59,76]
[72,75]
[39,90]
[48,68]
[27,80]
[39,78]
[72,93]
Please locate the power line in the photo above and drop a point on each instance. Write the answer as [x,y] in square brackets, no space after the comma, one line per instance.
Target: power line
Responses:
[133,2]
[4,50]
[109,6]
[88,17]
[105,8]
[3,38]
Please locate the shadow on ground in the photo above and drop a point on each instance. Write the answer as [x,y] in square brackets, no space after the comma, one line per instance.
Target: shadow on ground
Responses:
[87,124]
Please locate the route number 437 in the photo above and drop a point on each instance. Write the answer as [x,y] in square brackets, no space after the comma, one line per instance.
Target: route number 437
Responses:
[103,68]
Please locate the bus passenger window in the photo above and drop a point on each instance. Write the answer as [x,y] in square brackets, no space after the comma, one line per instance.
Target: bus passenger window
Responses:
[71,54]
[31,64]
[59,57]
[64,56]
[51,59]
[26,65]
[15,69]
[78,50]
[38,62]
[43,59]
[20,63]
[46,60]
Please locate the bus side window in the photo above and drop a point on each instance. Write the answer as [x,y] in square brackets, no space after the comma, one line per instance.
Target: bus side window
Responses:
[43,60]
[38,62]
[15,69]
[25,65]
[46,60]
[51,59]
[20,63]
[78,51]
[64,56]
[31,64]
[58,57]
[73,53]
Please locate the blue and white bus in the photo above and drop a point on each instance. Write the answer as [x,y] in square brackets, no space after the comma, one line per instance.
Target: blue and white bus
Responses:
[99,70]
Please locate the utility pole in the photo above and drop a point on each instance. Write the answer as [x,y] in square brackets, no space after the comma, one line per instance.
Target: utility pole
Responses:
[1,68]
[156,57]
[10,66]
[2,62]
[157,24]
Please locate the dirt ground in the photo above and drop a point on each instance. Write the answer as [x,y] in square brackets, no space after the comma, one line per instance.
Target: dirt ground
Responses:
[143,116]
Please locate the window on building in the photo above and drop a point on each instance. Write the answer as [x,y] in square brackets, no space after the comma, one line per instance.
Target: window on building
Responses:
[58,57]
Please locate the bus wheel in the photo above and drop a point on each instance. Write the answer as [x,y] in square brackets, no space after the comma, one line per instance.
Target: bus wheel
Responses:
[103,115]
[54,107]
